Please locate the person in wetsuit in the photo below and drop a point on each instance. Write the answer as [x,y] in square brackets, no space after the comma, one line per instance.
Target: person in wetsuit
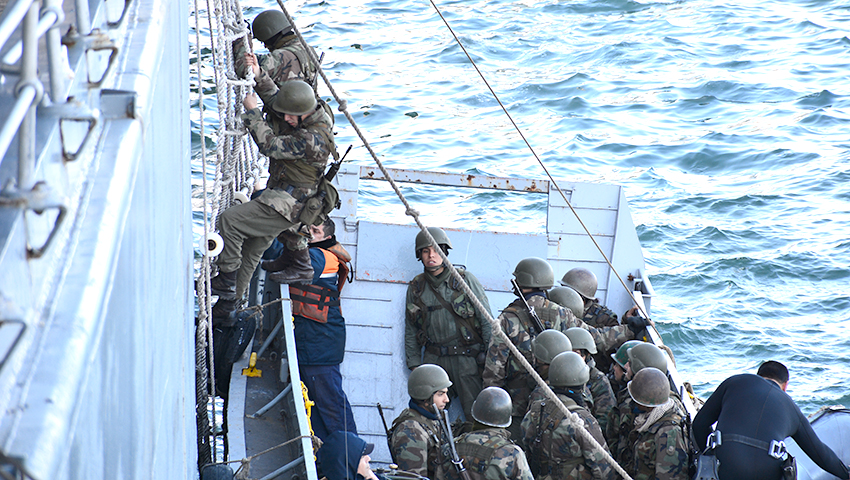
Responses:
[756,410]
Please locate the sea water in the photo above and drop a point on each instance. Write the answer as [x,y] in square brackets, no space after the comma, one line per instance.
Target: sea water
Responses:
[728,123]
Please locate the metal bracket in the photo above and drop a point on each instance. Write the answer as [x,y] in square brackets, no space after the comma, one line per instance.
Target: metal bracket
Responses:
[14,341]
[74,111]
[94,42]
[39,199]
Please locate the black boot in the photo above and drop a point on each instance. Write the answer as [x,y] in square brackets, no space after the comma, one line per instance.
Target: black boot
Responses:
[279,263]
[300,270]
[222,312]
[224,285]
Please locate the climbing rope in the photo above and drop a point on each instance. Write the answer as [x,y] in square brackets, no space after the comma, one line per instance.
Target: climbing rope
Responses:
[571,417]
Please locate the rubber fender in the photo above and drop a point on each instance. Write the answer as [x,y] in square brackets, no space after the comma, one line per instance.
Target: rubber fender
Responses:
[212,245]
[217,472]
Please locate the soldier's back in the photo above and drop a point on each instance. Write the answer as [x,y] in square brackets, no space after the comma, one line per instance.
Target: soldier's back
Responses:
[488,454]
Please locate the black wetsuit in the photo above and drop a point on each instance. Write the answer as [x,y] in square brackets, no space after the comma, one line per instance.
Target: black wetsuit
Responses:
[755,407]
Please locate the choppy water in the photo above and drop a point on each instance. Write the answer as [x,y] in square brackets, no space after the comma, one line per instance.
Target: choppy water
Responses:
[727,121]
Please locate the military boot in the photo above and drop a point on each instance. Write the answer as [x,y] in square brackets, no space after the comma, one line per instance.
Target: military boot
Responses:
[224,285]
[279,263]
[223,312]
[300,269]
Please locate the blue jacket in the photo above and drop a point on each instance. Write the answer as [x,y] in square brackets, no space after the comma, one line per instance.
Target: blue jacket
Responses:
[340,456]
[321,343]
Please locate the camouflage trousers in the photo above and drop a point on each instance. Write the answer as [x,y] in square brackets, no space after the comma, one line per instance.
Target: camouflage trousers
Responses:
[248,230]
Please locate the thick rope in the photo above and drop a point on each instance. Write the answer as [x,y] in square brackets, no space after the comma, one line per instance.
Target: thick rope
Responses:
[573,418]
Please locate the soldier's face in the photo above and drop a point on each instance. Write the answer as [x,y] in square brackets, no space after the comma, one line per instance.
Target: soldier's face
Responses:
[292,119]
[430,258]
[619,373]
[629,370]
[441,398]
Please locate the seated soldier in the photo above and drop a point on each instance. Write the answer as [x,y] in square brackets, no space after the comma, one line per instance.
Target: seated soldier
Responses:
[487,452]
[415,440]
[557,450]
[660,451]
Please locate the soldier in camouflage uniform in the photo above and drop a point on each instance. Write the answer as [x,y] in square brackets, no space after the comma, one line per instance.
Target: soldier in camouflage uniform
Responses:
[622,400]
[486,451]
[415,435]
[660,452]
[556,450]
[298,156]
[440,318]
[287,59]
[534,276]
[598,384]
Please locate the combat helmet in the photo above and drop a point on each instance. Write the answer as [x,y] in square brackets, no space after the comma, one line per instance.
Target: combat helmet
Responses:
[649,387]
[493,407]
[647,355]
[582,281]
[568,298]
[438,234]
[548,344]
[268,24]
[568,369]
[581,339]
[534,272]
[425,380]
[295,97]
[622,354]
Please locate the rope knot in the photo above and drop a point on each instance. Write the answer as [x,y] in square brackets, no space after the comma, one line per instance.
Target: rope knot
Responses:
[343,105]
[412,212]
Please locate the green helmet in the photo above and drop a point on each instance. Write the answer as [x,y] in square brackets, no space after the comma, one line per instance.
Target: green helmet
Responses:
[569,298]
[493,407]
[268,24]
[295,97]
[438,234]
[534,272]
[650,387]
[425,380]
[622,355]
[568,369]
[582,281]
[581,339]
[647,355]
[548,344]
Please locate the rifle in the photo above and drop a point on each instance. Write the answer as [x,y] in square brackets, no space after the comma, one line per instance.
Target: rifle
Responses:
[538,325]
[386,431]
[535,464]
[316,77]
[446,427]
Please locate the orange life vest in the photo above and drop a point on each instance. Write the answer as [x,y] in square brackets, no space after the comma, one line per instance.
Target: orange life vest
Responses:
[314,301]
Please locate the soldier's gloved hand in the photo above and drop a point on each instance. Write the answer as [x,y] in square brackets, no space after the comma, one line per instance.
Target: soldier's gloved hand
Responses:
[637,324]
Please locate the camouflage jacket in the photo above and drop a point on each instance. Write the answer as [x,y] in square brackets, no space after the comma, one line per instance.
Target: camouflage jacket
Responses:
[619,428]
[561,453]
[603,397]
[488,454]
[285,62]
[660,453]
[415,444]
[597,315]
[501,370]
[427,322]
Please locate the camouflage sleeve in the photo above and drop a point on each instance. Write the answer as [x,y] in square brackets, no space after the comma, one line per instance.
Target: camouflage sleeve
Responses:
[603,398]
[412,349]
[671,455]
[238,47]
[511,461]
[595,461]
[610,431]
[410,448]
[478,290]
[278,67]
[528,428]
[279,147]
[265,87]
[496,362]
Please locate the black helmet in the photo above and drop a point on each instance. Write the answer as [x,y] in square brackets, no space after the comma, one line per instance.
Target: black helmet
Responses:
[548,344]
[268,24]
[568,370]
[582,281]
[647,355]
[569,299]
[438,234]
[295,97]
[493,407]
[534,272]
[649,387]
[425,380]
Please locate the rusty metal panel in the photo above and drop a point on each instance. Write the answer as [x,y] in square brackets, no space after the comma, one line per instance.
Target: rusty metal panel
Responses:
[457,180]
